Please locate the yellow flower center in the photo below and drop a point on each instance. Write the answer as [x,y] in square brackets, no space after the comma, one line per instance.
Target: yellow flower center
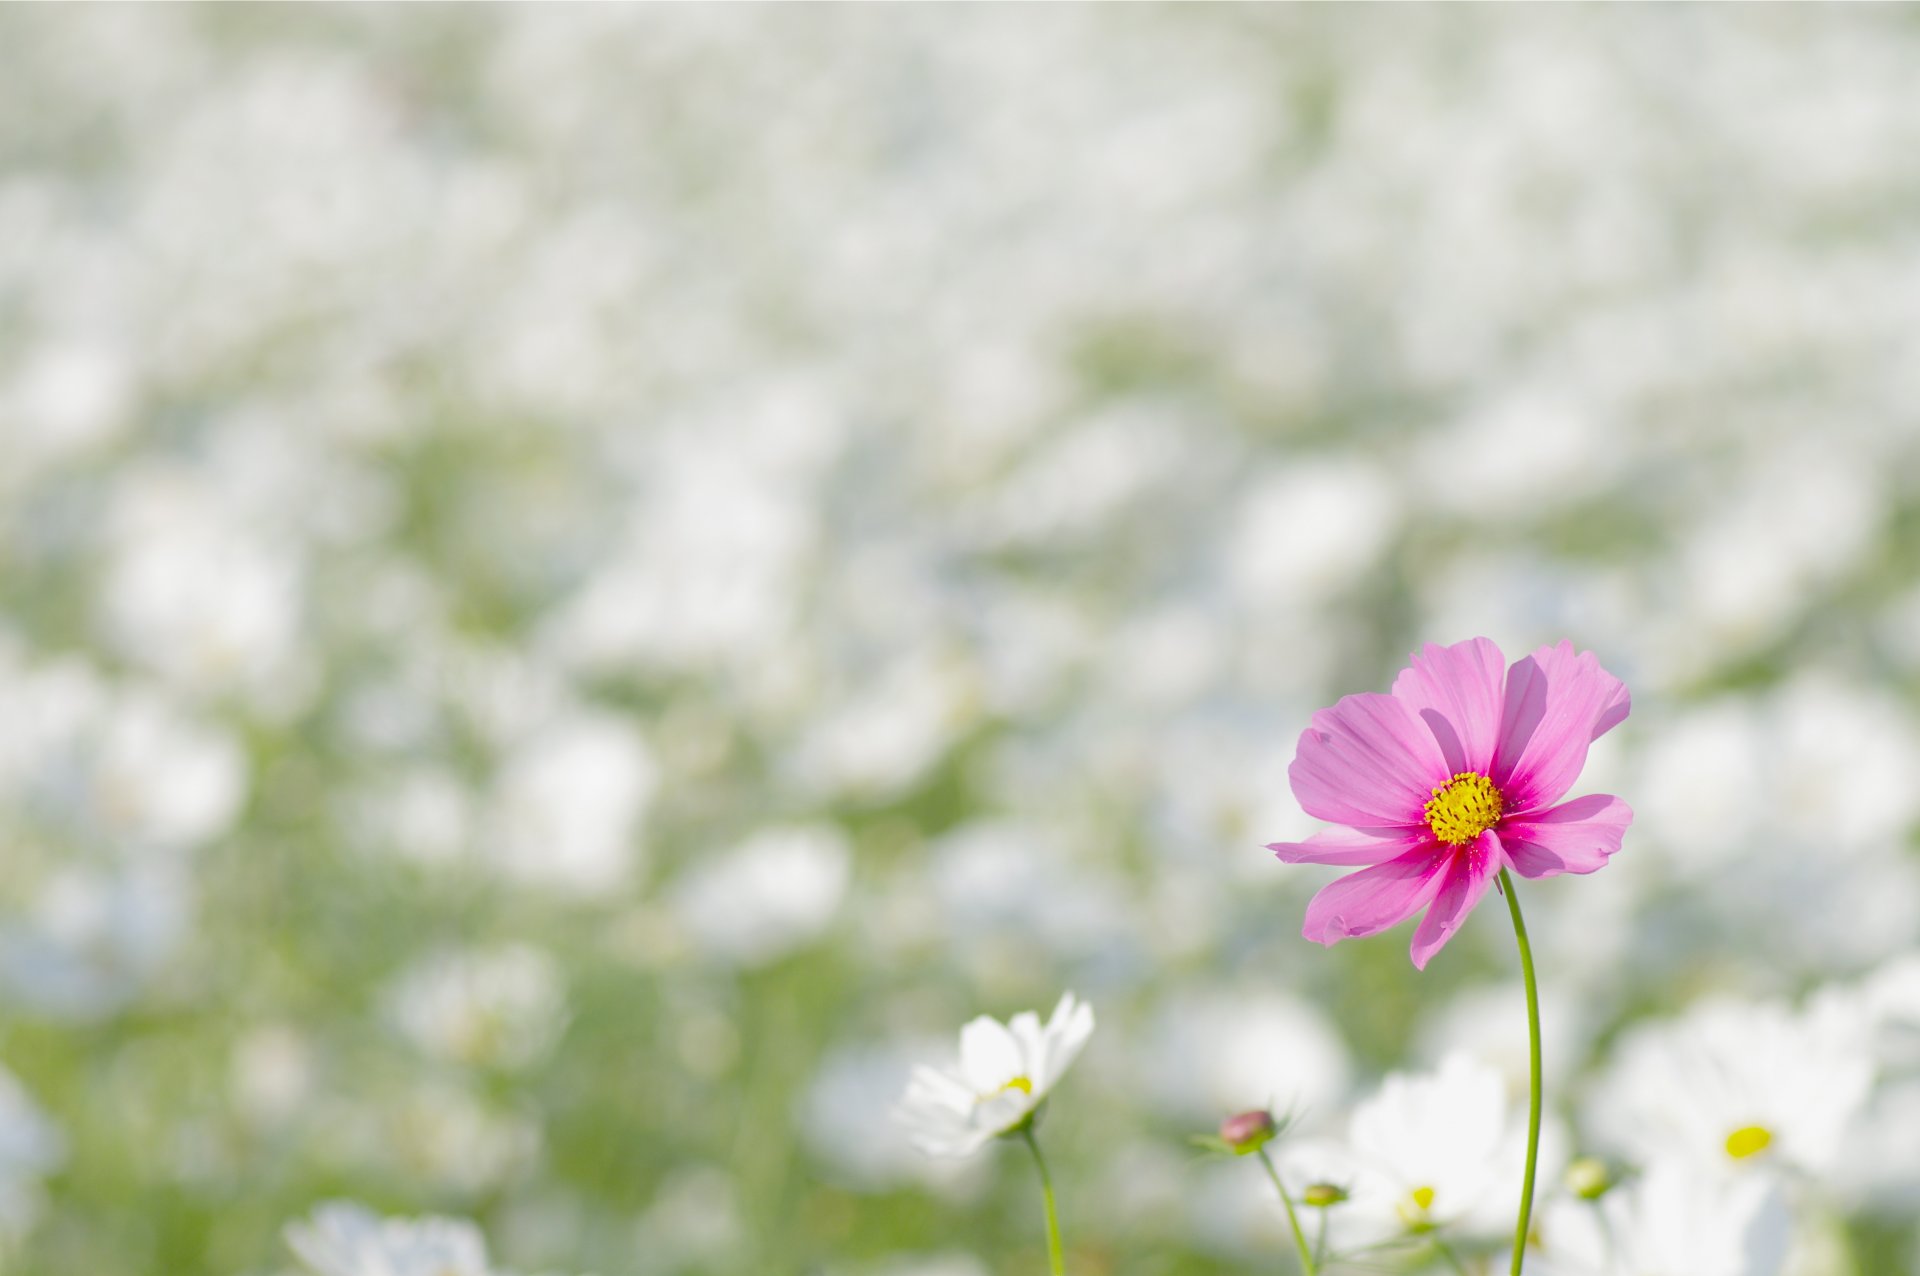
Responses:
[1748,1140]
[1463,808]
[1021,1084]
[1414,1210]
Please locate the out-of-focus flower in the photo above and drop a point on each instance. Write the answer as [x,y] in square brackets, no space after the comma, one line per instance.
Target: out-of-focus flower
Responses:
[1450,779]
[1735,1085]
[571,802]
[1441,1149]
[1005,1072]
[1670,1220]
[343,1239]
[505,1006]
[769,896]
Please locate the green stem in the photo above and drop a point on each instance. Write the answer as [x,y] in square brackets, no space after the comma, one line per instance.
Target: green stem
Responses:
[1046,1190]
[1533,1072]
[1293,1218]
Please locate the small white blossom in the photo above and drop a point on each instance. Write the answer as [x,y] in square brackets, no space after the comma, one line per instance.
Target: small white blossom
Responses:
[1004,1073]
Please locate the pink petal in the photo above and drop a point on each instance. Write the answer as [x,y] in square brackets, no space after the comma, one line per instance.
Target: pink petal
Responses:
[1574,837]
[1351,846]
[1366,762]
[1457,692]
[1375,898]
[1556,704]
[1470,868]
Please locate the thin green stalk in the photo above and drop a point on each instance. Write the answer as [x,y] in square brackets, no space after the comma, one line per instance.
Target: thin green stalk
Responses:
[1046,1190]
[1293,1218]
[1533,1072]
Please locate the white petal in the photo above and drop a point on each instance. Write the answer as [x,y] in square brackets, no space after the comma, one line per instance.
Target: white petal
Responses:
[989,1056]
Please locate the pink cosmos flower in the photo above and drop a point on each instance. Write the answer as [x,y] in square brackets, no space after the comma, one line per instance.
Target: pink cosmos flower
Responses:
[1450,779]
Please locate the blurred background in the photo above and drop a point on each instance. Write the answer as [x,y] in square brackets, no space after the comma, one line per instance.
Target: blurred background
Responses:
[579,587]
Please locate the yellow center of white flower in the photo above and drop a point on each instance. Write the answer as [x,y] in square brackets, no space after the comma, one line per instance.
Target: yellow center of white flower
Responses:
[1414,1210]
[1021,1084]
[1463,808]
[1748,1140]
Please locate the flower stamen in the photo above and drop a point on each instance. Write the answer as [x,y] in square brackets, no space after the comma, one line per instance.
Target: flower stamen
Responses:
[1463,808]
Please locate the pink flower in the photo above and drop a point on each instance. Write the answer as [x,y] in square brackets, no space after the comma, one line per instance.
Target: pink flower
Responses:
[1450,779]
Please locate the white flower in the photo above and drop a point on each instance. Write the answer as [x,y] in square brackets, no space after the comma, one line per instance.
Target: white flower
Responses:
[501,1006]
[771,895]
[1671,1220]
[1442,1148]
[1004,1073]
[570,803]
[343,1239]
[1734,1084]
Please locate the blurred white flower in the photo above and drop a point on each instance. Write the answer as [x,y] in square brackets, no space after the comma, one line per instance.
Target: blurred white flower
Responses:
[1004,1073]
[1670,1220]
[439,1133]
[776,892]
[1444,1148]
[1309,530]
[884,736]
[343,1239]
[92,938]
[570,803]
[1733,1085]
[196,594]
[70,395]
[126,767]
[501,1007]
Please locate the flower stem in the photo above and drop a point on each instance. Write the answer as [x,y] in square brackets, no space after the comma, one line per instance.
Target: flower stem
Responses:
[1293,1218]
[1046,1190]
[1533,1072]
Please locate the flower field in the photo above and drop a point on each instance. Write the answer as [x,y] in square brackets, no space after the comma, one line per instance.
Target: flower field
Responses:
[584,589]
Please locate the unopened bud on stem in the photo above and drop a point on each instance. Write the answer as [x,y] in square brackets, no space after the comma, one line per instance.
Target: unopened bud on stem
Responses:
[1246,1132]
[1587,1178]
[1321,1195]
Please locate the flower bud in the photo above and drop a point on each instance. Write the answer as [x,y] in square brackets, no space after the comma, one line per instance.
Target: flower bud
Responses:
[1587,1178]
[1321,1195]
[1247,1131]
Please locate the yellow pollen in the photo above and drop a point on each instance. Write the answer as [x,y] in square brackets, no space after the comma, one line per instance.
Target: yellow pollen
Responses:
[1748,1140]
[1423,1197]
[1021,1084]
[1463,808]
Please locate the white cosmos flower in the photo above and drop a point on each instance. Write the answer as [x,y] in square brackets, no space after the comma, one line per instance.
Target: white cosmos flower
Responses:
[1734,1084]
[1671,1220]
[1442,1149]
[343,1239]
[1004,1073]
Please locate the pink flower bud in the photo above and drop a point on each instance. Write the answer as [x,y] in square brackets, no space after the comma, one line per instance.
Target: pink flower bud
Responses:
[1246,1131]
